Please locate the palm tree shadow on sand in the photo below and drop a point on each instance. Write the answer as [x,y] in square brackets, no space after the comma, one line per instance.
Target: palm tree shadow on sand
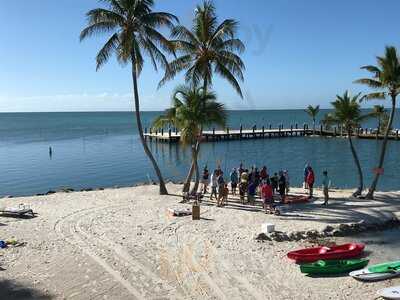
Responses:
[12,290]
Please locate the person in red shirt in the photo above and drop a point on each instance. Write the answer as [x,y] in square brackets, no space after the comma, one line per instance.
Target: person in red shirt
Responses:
[310,181]
[267,196]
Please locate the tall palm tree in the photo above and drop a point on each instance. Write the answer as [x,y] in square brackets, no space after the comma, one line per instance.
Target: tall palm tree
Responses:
[347,114]
[208,47]
[134,31]
[313,111]
[379,112]
[191,110]
[386,81]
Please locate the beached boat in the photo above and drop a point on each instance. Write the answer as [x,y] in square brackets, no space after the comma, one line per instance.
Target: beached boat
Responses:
[344,251]
[378,272]
[333,266]
[390,293]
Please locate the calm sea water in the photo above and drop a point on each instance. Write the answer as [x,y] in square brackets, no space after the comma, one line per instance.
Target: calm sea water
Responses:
[102,150]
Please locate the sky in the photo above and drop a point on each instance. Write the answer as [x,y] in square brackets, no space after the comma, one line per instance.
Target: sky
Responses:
[298,52]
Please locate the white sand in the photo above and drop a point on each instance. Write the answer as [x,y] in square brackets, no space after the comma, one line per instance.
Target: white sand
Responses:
[121,244]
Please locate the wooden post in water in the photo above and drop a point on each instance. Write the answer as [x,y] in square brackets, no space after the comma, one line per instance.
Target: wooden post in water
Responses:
[322,130]
[270,126]
[169,133]
[397,134]
[334,131]
[240,131]
[162,131]
[263,129]
[213,133]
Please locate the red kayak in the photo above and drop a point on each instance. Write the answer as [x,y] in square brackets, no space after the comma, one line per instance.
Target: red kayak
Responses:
[336,252]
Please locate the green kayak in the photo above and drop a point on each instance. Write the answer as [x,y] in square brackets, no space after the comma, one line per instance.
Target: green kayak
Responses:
[393,266]
[333,266]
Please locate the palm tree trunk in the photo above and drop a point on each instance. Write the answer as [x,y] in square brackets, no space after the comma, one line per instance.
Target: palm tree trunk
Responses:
[197,178]
[372,189]
[357,161]
[163,188]
[186,185]
[196,167]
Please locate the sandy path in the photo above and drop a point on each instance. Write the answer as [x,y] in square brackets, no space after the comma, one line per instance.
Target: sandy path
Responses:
[121,244]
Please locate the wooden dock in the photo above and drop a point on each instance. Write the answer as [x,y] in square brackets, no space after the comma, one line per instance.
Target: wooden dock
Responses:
[173,136]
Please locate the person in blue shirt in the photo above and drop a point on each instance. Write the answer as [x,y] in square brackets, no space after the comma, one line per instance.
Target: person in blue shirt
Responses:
[251,192]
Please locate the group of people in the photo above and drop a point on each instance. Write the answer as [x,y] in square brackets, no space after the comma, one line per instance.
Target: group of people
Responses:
[248,183]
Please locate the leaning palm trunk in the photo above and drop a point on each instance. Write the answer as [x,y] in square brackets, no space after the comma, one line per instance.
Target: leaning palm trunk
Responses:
[357,161]
[372,189]
[186,185]
[163,188]
[196,168]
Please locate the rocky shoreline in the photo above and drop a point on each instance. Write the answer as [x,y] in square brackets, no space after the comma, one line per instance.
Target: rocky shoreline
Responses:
[341,230]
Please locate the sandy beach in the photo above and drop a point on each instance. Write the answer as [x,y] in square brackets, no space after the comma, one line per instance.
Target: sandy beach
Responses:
[122,244]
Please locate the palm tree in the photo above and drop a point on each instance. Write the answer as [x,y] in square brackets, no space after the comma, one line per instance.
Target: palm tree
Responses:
[313,111]
[191,110]
[208,47]
[347,114]
[386,81]
[379,112]
[134,31]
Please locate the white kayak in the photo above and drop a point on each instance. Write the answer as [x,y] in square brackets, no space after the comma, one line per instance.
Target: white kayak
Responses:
[390,293]
[366,275]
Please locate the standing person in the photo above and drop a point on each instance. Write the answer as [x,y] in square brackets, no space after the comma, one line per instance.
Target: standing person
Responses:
[263,173]
[282,186]
[221,188]
[243,185]
[225,195]
[240,170]
[325,185]
[274,182]
[310,181]
[234,180]
[256,177]
[286,174]
[306,168]
[205,179]
[267,196]
[251,192]
[214,184]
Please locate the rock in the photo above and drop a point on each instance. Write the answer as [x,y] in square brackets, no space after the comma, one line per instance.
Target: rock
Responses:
[262,237]
[312,234]
[50,192]
[337,232]
[328,229]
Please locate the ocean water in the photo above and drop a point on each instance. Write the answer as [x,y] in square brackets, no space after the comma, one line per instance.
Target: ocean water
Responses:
[102,149]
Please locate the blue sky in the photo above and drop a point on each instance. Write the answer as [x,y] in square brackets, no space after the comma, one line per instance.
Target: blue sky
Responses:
[298,53]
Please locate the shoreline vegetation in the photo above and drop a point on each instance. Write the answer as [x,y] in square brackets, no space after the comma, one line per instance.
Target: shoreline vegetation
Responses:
[107,238]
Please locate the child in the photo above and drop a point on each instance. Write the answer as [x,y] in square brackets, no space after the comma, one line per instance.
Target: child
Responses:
[325,185]
[267,196]
[225,195]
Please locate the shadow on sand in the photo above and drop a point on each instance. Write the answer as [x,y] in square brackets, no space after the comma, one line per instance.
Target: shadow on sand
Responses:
[12,290]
